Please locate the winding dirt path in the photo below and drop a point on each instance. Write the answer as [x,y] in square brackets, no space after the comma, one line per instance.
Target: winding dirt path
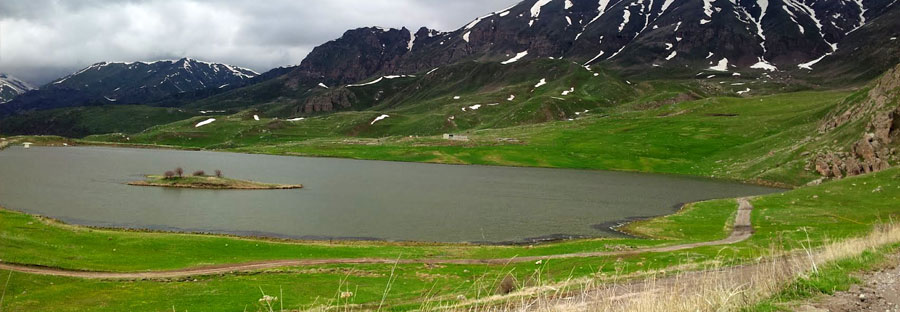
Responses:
[742,231]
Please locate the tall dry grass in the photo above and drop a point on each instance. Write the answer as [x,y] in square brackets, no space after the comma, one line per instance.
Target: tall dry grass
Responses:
[714,289]
[719,289]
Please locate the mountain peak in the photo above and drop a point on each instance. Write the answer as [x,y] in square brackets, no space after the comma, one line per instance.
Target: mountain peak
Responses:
[11,87]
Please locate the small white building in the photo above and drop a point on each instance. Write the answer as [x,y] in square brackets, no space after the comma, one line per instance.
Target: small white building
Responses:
[455,137]
[27,144]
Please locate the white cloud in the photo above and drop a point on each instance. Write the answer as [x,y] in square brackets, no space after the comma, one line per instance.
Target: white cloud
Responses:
[41,40]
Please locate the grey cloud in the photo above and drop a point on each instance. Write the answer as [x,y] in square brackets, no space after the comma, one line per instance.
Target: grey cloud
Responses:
[41,40]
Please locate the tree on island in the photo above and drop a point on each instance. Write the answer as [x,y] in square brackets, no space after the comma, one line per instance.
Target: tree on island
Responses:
[218,173]
[199,173]
[169,175]
[179,172]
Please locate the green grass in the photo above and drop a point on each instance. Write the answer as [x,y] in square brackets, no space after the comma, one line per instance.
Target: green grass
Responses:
[82,121]
[761,138]
[778,219]
[745,139]
[831,278]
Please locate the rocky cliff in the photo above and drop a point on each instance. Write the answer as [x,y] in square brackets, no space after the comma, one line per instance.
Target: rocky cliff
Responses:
[876,149]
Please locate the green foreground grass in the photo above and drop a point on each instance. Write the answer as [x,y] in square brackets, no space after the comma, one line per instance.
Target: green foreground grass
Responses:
[831,278]
[813,215]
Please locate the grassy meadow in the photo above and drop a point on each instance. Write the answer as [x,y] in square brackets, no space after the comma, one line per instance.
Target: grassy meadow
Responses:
[805,217]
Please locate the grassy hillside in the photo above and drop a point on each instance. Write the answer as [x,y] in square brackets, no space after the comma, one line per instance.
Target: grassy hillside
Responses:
[727,137]
[82,121]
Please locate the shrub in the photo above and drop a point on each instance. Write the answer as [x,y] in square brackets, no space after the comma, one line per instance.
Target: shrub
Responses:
[507,285]
[219,173]
[179,172]
[169,175]
[199,173]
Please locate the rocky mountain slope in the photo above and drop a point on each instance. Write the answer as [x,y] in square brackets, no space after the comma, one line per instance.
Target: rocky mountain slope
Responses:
[872,123]
[132,83]
[11,87]
[657,38]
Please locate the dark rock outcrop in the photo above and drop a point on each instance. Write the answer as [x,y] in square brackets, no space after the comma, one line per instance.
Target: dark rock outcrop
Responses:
[876,150]
[329,101]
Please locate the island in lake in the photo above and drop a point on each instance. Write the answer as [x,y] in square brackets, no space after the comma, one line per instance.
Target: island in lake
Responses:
[199,180]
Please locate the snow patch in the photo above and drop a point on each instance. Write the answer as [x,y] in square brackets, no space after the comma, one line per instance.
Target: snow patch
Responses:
[367,83]
[567,92]
[665,6]
[379,118]
[744,91]
[707,8]
[809,65]
[205,122]
[380,79]
[541,83]
[672,55]
[256,117]
[296,119]
[511,97]
[625,17]
[323,85]
[721,66]
[762,64]
[516,58]
[431,71]
[536,8]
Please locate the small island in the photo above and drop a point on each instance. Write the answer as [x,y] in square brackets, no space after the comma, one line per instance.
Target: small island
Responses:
[199,180]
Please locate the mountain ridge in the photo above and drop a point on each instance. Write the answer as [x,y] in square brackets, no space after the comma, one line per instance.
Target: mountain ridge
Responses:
[668,39]
[11,87]
[116,83]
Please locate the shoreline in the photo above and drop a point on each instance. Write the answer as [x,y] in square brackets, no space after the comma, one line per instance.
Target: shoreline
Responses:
[80,142]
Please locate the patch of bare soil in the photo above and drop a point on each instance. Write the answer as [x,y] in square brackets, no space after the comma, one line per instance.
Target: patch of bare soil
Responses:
[880,291]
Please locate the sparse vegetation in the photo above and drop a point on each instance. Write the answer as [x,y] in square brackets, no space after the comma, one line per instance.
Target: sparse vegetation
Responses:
[199,180]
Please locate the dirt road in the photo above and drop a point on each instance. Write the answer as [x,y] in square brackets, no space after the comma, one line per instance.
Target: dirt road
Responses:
[742,231]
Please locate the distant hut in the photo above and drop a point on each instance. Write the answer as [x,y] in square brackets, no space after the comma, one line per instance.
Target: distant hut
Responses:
[27,144]
[455,137]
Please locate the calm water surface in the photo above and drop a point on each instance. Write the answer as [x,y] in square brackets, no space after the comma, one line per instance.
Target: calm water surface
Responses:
[342,198]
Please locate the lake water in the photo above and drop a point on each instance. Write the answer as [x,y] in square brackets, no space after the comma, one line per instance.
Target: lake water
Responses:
[342,199]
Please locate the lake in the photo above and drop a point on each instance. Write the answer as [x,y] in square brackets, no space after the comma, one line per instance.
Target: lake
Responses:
[342,198]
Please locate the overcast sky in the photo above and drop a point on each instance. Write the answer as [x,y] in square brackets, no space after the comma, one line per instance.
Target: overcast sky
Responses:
[41,40]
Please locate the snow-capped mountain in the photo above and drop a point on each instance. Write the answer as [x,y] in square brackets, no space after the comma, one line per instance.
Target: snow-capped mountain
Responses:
[132,83]
[669,37]
[125,80]
[11,87]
